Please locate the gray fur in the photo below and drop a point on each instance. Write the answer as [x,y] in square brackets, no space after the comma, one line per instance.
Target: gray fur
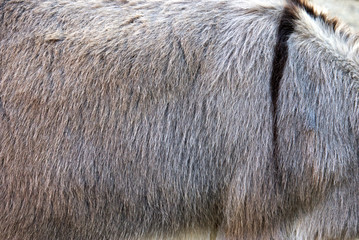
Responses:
[135,119]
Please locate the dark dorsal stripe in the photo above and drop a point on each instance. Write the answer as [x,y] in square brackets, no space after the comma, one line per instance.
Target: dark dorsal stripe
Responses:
[285,29]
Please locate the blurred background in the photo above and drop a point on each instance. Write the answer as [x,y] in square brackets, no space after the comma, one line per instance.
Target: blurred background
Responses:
[346,10]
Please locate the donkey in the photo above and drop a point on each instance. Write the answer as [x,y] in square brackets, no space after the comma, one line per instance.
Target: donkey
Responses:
[139,119]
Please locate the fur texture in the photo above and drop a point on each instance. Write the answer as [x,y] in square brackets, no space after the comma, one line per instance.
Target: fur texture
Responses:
[153,119]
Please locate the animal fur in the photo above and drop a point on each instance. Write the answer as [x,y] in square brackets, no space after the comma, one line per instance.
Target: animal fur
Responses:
[153,119]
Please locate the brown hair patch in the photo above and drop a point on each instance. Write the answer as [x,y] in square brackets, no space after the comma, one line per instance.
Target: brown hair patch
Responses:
[333,22]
